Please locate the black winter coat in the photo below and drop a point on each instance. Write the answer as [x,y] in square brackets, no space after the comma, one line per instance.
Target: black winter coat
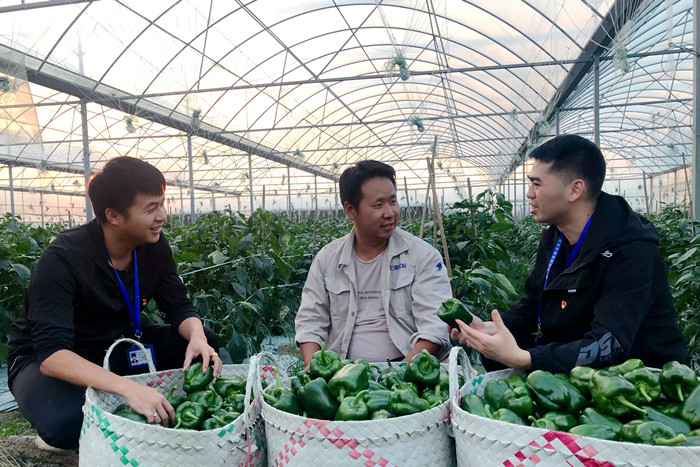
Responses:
[611,304]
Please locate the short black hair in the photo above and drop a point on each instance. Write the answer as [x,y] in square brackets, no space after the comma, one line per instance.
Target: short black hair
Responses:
[120,181]
[353,177]
[573,157]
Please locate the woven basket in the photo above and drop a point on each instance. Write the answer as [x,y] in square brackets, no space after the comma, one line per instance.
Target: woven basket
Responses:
[110,440]
[420,439]
[484,442]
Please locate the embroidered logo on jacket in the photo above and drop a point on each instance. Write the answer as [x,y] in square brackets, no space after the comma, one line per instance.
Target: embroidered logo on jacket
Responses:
[439,266]
[606,253]
[396,267]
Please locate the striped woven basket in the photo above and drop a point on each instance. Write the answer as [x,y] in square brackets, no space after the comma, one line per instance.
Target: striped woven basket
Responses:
[482,442]
[110,440]
[420,439]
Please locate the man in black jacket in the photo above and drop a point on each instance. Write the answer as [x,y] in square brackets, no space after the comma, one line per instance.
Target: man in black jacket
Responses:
[87,290]
[598,293]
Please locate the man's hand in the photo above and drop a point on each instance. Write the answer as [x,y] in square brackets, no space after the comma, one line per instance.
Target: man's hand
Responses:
[149,403]
[493,340]
[199,346]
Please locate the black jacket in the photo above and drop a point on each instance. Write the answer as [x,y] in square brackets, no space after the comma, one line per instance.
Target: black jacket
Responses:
[611,304]
[74,301]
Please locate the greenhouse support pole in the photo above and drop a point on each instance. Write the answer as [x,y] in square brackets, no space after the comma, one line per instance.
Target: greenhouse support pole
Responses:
[596,100]
[316,197]
[408,201]
[524,192]
[189,159]
[695,198]
[335,210]
[182,206]
[86,158]
[12,191]
[263,200]
[41,207]
[213,202]
[289,194]
[556,121]
[250,179]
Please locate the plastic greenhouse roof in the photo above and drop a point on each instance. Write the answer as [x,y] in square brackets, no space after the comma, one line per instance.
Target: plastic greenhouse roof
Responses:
[319,85]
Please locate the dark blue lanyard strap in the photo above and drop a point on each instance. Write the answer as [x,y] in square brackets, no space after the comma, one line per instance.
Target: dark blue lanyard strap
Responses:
[135,309]
[569,262]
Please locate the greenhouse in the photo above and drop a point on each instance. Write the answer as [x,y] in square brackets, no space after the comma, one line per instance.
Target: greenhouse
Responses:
[251,111]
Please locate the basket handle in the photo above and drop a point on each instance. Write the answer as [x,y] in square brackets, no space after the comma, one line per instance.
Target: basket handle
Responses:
[256,370]
[457,355]
[149,360]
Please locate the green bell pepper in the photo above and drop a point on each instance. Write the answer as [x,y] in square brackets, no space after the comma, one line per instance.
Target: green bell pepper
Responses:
[592,430]
[494,390]
[668,407]
[406,402]
[378,400]
[175,400]
[196,379]
[647,383]
[346,361]
[692,441]
[209,398]
[514,380]
[316,398]
[375,386]
[404,385]
[388,375]
[691,408]
[189,415]
[475,405]
[627,366]
[453,309]
[226,385]
[518,400]
[236,402]
[592,416]
[435,396]
[577,401]
[507,415]
[423,369]
[561,420]
[324,363]
[444,380]
[544,423]
[227,415]
[349,380]
[280,397]
[382,414]
[129,413]
[678,425]
[650,432]
[547,391]
[353,408]
[677,381]
[580,377]
[614,395]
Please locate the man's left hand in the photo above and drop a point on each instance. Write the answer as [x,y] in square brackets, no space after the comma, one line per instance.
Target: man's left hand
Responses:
[499,346]
[198,347]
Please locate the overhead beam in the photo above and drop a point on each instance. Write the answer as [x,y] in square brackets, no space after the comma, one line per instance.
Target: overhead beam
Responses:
[66,81]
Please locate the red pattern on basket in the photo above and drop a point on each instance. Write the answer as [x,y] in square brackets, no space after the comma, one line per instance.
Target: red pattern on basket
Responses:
[335,436]
[557,441]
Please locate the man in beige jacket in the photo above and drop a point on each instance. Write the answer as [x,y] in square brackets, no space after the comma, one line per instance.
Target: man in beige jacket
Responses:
[374,293]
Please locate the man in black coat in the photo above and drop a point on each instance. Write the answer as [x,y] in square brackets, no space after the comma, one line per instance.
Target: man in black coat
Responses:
[598,293]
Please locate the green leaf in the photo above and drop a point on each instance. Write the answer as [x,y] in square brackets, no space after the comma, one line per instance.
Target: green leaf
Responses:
[687,255]
[282,267]
[218,257]
[23,273]
[237,347]
[239,289]
[501,226]
[505,284]
[246,242]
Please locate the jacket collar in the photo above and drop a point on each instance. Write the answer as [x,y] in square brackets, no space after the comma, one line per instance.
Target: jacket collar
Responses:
[397,244]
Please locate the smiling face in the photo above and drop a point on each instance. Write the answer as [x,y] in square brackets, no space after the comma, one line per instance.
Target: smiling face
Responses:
[377,213]
[548,194]
[144,219]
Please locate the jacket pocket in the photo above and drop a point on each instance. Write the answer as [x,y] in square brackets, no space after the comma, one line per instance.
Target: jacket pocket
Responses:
[339,295]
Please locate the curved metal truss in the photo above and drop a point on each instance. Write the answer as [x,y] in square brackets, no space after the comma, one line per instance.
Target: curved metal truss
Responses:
[285,95]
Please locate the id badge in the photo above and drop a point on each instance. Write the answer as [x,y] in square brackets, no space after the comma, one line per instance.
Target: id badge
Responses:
[136,357]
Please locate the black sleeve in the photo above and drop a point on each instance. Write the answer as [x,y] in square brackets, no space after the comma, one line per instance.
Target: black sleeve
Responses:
[50,304]
[626,294]
[170,292]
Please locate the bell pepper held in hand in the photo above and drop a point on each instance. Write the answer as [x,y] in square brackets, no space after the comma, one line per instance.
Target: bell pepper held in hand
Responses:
[324,363]
[196,379]
[614,395]
[317,400]
[677,381]
[452,309]
[423,369]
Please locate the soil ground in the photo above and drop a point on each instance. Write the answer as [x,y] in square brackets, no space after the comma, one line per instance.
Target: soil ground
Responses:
[17,446]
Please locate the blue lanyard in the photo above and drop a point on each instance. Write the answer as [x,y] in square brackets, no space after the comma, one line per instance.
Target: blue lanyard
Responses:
[135,309]
[572,257]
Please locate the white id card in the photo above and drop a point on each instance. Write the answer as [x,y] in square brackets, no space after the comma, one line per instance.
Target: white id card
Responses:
[136,357]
